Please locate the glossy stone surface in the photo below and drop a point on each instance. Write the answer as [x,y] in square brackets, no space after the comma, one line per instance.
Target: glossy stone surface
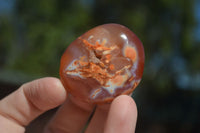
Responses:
[103,63]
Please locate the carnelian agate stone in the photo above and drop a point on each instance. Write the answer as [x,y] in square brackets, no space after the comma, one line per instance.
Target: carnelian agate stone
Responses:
[103,63]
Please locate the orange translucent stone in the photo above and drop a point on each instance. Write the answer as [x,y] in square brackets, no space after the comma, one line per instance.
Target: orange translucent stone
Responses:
[103,63]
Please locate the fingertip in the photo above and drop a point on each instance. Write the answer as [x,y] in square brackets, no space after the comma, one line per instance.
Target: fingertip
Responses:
[122,115]
[126,101]
[126,107]
[56,90]
[45,93]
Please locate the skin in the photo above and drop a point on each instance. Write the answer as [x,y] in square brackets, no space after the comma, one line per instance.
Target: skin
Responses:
[34,98]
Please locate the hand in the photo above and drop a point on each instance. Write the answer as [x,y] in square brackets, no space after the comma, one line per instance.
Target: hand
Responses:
[34,98]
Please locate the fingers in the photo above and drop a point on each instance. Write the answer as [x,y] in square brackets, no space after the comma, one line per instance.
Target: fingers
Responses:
[71,117]
[122,116]
[30,100]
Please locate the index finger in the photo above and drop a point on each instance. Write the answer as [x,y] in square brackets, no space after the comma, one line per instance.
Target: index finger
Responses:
[28,102]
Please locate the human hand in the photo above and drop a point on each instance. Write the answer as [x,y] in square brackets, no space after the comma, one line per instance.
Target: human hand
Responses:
[34,98]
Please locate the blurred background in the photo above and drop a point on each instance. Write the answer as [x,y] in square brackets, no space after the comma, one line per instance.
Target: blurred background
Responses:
[34,34]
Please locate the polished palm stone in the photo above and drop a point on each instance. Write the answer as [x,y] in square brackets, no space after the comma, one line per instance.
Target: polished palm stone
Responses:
[103,63]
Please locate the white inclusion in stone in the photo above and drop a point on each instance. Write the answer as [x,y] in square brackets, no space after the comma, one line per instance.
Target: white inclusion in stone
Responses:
[109,51]
[77,74]
[102,41]
[95,93]
[111,87]
[90,37]
[71,70]
[134,67]
[72,66]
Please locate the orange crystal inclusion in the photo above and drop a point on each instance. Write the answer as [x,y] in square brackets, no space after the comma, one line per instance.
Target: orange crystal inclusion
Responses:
[97,71]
